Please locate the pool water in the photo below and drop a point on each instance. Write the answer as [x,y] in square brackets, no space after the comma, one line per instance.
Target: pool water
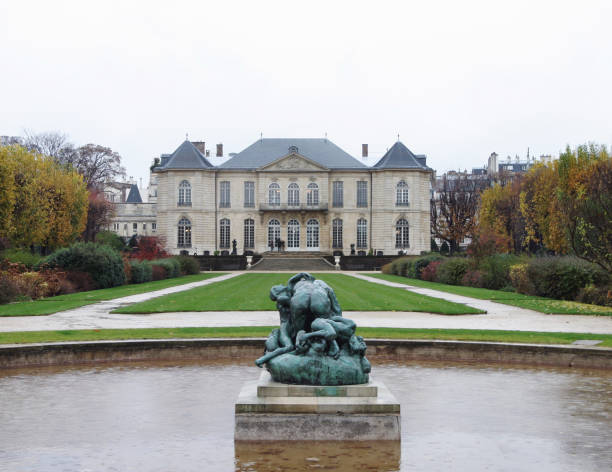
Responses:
[179,417]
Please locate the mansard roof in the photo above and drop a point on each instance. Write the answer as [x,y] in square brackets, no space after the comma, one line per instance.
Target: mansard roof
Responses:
[134,195]
[400,157]
[267,150]
[187,156]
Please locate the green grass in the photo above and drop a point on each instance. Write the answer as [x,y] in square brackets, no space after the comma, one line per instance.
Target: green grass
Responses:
[250,292]
[47,306]
[543,305]
[528,337]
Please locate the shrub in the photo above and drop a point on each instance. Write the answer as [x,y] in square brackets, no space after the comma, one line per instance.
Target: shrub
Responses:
[102,263]
[452,270]
[495,270]
[21,256]
[405,267]
[562,277]
[430,273]
[81,281]
[189,265]
[520,280]
[171,265]
[386,269]
[148,247]
[422,262]
[595,295]
[142,271]
[9,289]
[472,278]
[108,238]
[158,272]
[397,266]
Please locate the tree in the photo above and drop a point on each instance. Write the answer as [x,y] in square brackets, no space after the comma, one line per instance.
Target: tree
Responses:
[97,164]
[99,214]
[585,198]
[53,144]
[453,211]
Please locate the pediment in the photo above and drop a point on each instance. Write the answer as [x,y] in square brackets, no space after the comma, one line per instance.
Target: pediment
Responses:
[293,162]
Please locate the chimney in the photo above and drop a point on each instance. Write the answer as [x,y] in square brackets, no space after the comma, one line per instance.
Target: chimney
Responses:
[364,150]
[200,146]
[219,150]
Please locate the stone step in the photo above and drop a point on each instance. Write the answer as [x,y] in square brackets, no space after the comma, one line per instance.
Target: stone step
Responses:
[269,388]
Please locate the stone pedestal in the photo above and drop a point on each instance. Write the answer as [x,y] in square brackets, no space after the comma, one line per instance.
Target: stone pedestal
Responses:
[267,410]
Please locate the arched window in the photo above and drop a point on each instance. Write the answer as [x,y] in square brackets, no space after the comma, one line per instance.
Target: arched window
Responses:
[293,234]
[249,233]
[337,233]
[362,233]
[402,236]
[274,194]
[402,194]
[184,233]
[273,233]
[293,194]
[312,194]
[184,194]
[312,234]
[224,233]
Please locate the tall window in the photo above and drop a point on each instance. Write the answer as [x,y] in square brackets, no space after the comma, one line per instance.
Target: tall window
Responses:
[362,194]
[362,233]
[273,233]
[293,234]
[337,233]
[224,233]
[249,194]
[184,233]
[224,200]
[293,194]
[312,194]
[249,233]
[338,194]
[312,234]
[402,194]
[402,236]
[184,194]
[274,194]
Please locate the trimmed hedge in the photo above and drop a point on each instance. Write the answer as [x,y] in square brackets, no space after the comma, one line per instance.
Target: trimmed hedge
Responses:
[189,265]
[452,270]
[171,265]
[102,263]
[142,271]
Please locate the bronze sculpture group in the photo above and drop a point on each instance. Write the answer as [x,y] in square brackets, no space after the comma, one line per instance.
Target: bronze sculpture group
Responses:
[314,344]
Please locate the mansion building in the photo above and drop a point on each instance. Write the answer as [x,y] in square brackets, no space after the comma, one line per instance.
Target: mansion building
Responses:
[308,193]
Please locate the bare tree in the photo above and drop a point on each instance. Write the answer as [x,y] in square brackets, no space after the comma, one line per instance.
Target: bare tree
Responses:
[454,209]
[53,144]
[97,164]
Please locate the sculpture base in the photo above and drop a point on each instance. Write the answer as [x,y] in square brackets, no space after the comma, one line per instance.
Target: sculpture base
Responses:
[268,410]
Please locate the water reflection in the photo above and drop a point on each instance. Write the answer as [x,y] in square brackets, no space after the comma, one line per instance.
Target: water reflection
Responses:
[340,456]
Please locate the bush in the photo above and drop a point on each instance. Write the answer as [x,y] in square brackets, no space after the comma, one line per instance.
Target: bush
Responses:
[422,262]
[595,295]
[189,265]
[495,270]
[102,263]
[148,247]
[159,272]
[9,289]
[405,267]
[171,265]
[452,270]
[396,266]
[21,256]
[142,271]
[520,280]
[430,273]
[108,238]
[472,278]
[563,277]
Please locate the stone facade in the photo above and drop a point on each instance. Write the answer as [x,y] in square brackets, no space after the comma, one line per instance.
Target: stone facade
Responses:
[217,196]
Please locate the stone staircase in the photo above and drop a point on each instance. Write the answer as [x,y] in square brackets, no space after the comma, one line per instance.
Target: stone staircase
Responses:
[296,262]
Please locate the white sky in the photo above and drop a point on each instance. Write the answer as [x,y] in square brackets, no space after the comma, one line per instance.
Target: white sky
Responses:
[456,79]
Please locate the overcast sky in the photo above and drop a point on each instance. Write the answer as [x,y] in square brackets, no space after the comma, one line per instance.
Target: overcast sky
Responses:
[456,79]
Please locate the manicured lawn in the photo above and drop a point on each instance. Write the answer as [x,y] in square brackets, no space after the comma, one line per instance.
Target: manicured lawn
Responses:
[543,305]
[263,331]
[250,292]
[46,306]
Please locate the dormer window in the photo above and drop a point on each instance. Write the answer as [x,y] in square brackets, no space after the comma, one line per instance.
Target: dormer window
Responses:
[293,149]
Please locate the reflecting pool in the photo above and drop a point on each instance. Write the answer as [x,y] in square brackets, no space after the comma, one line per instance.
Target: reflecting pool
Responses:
[179,417]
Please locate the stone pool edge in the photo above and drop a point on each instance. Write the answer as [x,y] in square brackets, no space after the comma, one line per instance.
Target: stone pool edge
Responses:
[98,352]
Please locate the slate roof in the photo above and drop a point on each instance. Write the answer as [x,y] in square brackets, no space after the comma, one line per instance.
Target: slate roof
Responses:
[267,150]
[134,195]
[400,157]
[187,156]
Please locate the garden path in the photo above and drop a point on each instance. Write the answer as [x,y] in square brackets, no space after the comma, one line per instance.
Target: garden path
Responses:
[498,317]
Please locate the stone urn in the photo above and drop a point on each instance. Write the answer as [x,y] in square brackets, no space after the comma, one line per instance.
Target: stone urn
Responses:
[337,261]
[249,261]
